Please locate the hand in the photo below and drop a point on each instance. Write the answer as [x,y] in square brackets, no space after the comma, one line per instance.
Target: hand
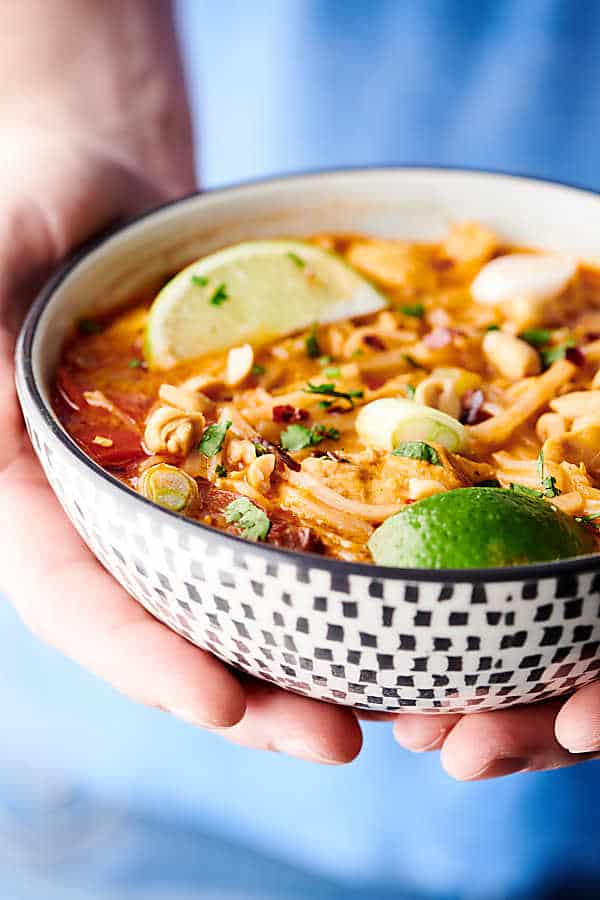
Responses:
[55,191]
[528,738]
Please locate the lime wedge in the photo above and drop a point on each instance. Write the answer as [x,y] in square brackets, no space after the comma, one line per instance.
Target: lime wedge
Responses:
[252,293]
[385,423]
[476,528]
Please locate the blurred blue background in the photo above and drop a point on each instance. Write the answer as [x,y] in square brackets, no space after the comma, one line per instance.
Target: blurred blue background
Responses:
[100,798]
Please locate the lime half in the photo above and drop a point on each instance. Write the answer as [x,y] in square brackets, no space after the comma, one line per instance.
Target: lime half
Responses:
[252,293]
[478,528]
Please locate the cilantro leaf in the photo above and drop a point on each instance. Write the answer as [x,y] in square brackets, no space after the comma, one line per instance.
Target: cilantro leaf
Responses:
[416,310]
[549,488]
[297,260]
[252,521]
[332,372]
[199,280]
[221,471]
[330,391]
[589,520]
[418,450]
[297,437]
[492,327]
[134,364]
[552,354]
[213,437]
[537,337]
[411,391]
[219,296]
[258,369]
[311,343]
[410,360]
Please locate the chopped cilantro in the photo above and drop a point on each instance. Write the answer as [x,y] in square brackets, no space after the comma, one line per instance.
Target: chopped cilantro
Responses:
[89,326]
[410,360]
[416,310]
[492,327]
[537,337]
[252,521]
[311,343]
[411,391]
[325,360]
[330,391]
[134,363]
[418,450]
[259,449]
[258,369]
[297,437]
[589,520]
[219,296]
[549,488]
[325,404]
[358,352]
[213,437]
[490,482]
[332,372]
[199,280]
[297,260]
[221,471]
[552,354]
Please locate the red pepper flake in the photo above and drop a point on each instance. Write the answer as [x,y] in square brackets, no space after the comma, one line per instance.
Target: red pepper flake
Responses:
[374,383]
[440,337]
[338,410]
[287,413]
[575,356]
[374,342]
[442,264]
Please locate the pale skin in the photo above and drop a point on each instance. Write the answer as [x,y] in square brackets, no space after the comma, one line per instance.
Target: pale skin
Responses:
[96,129]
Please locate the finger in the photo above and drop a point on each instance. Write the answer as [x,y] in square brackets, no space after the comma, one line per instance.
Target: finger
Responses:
[577,726]
[66,597]
[288,723]
[420,733]
[491,744]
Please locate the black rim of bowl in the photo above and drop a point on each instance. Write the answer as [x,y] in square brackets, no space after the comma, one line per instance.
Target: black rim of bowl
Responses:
[342,568]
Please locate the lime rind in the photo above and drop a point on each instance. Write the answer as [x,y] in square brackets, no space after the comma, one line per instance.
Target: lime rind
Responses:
[478,527]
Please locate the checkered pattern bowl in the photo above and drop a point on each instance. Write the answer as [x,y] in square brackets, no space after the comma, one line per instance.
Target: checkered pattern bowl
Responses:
[365,636]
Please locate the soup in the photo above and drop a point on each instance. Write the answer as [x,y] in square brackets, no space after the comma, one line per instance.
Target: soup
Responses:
[479,369]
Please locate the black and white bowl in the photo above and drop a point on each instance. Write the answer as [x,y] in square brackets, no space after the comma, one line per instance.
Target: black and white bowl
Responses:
[366,636]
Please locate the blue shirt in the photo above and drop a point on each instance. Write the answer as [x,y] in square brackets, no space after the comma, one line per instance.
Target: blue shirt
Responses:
[285,85]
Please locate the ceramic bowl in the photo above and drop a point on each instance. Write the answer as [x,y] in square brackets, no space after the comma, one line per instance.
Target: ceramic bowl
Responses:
[365,636]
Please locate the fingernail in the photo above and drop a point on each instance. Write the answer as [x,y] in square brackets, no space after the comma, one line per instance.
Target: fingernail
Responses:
[297,747]
[592,747]
[497,768]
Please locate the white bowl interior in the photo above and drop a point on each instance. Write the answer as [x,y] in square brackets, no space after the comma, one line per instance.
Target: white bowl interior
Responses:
[405,203]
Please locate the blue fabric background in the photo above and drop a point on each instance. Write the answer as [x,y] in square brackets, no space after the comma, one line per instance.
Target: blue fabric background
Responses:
[100,798]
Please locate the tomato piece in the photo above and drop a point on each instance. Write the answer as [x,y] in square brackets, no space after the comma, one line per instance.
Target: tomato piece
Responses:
[125,449]
[69,390]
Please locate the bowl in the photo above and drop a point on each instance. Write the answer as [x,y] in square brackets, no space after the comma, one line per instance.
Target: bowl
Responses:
[365,636]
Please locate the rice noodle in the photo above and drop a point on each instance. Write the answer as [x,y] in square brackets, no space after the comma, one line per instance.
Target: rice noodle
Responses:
[370,512]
